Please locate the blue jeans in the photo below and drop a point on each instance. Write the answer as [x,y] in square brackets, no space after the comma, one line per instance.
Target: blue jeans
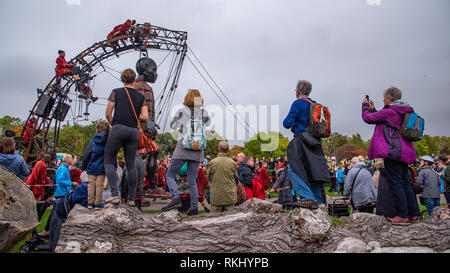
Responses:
[172,172]
[431,203]
[306,192]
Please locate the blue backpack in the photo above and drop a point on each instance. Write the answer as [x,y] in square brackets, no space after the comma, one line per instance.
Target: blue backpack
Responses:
[412,127]
[194,136]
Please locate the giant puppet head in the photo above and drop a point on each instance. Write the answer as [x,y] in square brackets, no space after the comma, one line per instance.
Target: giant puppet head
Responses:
[147,69]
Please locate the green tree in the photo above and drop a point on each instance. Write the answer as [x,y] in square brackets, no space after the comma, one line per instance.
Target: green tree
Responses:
[213,143]
[235,150]
[427,146]
[166,143]
[8,122]
[266,145]
[332,143]
[74,139]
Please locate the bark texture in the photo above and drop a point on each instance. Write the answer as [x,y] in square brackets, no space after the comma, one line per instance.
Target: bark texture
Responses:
[18,215]
[255,226]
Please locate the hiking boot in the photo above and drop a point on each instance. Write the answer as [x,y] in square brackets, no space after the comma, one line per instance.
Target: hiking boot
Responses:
[131,204]
[138,204]
[192,212]
[175,204]
[414,219]
[399,221]
[91,206]
[309,204]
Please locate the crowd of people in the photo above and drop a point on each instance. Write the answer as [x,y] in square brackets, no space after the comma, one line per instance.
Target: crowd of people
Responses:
[386,181]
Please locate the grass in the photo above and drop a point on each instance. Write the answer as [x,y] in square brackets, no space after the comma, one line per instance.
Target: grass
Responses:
[40,228]
[336,221]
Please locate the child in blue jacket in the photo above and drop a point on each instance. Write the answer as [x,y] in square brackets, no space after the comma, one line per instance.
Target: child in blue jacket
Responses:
[93,158]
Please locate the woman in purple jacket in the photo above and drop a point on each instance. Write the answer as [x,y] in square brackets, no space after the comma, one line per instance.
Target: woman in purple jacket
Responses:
[397,152]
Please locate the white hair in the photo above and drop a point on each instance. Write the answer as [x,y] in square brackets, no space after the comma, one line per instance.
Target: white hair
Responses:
[84,177]
[356,160]
[66,158]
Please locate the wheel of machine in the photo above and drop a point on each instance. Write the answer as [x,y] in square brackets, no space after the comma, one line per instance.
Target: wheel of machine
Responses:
[55,100]
[25,249]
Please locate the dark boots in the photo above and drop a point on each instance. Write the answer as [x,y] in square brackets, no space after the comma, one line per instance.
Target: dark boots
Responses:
[137,204]
[175,204]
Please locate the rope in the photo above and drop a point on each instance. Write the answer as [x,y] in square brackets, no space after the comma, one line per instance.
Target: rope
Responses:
[246,125]
[225,96]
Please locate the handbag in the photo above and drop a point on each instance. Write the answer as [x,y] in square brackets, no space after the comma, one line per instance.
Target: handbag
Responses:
[241,193]
[143,139]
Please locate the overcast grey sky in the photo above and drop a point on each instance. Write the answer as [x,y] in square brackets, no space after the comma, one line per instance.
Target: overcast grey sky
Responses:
[255,50]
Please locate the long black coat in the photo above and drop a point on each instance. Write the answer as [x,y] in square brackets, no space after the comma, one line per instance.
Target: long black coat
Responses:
[386,204]
[285,194]
[306,158]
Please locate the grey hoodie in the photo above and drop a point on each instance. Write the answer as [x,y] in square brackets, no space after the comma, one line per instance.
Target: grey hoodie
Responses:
[430,181]
[363,191]
[400,103]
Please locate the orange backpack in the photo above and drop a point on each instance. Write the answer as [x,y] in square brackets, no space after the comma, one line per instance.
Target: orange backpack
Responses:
[319,120]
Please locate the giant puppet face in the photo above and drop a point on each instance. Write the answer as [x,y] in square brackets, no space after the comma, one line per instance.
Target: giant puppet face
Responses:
[147,68]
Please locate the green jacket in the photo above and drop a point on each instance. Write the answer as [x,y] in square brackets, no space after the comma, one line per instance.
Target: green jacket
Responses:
[221,175]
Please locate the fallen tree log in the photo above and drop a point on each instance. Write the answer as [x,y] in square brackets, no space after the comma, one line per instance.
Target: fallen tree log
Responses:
[18,215]
[255,226]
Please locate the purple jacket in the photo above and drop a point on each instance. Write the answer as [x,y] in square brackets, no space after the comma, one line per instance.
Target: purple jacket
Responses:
[386,141]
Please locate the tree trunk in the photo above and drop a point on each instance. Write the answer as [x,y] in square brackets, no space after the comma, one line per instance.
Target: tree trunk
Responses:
[255,226]
[18,215]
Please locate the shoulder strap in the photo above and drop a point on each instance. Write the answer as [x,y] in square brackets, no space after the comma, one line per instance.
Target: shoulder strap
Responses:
[132,106]
[356,176]
[305,99]
[405,120]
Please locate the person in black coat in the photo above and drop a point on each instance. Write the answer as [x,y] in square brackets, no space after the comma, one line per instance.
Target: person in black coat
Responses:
[285,187]
[386,204]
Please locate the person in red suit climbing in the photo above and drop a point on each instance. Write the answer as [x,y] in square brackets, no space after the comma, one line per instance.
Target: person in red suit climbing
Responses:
[120,30]
[39,177]
[63,68]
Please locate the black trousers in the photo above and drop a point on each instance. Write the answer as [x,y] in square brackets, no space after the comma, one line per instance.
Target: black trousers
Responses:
[152,166]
